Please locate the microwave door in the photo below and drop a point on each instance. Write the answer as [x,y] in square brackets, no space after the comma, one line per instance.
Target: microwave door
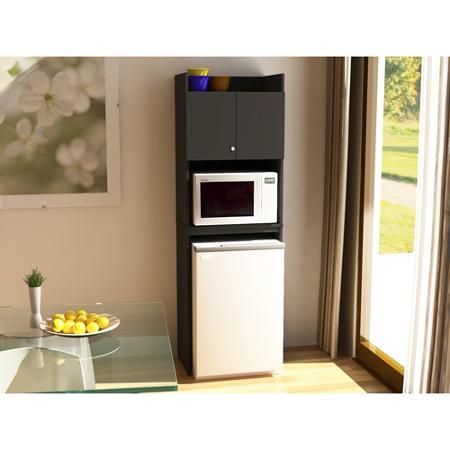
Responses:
[228,202]
[227,199]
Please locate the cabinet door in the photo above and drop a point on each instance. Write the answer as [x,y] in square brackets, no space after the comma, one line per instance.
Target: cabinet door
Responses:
[260,125]
[211,126]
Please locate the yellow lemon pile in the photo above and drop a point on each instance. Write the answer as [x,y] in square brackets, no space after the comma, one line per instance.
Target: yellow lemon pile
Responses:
[79,322]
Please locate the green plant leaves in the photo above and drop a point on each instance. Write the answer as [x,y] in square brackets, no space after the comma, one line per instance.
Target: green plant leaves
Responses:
[34,279]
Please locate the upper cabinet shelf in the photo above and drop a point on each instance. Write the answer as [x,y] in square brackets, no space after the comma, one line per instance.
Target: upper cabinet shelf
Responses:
[271,83]
[246,122]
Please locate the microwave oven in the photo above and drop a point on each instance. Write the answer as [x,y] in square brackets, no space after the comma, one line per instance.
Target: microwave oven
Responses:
[234,198]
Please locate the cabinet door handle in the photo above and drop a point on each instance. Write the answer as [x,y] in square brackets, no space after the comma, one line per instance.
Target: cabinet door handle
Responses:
[232,149]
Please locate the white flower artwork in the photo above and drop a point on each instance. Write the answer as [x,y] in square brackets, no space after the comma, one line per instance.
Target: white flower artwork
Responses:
[59,143]
[79,162]
[86,81]
[49,99]
[28,141]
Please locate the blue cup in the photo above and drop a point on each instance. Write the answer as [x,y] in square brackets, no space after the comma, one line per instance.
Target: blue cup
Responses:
[198,82]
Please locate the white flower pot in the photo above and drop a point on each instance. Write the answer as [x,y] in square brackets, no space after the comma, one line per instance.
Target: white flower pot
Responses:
[35,305]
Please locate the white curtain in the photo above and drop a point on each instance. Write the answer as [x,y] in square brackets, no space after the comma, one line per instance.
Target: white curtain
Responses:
[426,368]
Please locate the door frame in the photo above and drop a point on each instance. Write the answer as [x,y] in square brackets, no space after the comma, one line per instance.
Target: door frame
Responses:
[370,356]
[435,94]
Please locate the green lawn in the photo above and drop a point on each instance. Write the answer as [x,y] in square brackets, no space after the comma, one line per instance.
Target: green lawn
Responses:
[396,228]
[400,142]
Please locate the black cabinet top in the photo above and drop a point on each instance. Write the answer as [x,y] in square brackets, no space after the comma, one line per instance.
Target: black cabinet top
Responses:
[269,83]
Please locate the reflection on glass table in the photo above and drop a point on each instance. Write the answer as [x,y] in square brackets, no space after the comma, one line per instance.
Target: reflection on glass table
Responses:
[135,357]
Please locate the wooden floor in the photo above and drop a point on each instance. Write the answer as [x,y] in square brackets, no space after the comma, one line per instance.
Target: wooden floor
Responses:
[305,370]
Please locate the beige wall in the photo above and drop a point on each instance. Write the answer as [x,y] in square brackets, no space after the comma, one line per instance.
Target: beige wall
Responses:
[127,253]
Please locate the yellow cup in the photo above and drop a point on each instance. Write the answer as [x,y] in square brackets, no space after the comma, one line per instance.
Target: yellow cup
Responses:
[199,71]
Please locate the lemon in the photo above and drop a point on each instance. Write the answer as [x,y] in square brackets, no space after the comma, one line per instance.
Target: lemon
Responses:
[81,318]
[58,325]
[93,315]
[81,312]
[59,316]
[92,327]
[103,322]
[79,328]
[68,327]
[91,320]
[70,315]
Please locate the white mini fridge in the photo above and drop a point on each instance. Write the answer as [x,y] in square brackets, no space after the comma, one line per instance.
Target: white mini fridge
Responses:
[237,307]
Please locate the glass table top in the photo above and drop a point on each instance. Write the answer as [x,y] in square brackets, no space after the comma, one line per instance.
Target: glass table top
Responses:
[134,357]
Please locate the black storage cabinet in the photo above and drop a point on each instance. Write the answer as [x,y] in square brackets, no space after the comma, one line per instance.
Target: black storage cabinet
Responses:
[241,129]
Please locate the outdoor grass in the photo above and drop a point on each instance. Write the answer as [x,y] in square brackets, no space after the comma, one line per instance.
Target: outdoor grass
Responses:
[400,144]
[396,228]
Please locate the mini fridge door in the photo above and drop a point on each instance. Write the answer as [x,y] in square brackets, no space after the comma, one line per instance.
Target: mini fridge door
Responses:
[238,304]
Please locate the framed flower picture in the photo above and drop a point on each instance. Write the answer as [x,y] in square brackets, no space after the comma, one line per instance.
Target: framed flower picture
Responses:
[59,132]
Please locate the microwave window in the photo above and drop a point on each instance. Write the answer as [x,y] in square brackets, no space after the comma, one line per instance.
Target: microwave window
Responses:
[227,198]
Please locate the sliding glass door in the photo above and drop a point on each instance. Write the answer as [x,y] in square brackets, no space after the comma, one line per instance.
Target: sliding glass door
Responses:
[394,87]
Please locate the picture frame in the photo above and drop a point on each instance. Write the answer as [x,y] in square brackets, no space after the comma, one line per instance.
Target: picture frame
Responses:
[112,196]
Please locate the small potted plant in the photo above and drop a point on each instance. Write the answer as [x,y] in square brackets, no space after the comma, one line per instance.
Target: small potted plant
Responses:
[34,282]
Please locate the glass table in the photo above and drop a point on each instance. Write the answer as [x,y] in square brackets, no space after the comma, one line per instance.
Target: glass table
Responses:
[135,357]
